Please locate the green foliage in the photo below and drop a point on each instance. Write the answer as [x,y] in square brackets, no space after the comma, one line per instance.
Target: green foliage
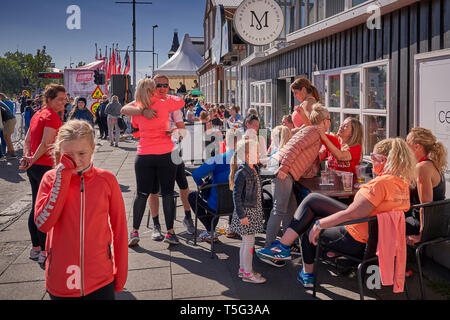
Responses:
[15,66]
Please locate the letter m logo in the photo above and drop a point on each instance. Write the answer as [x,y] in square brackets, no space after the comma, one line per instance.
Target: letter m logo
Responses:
[259,24]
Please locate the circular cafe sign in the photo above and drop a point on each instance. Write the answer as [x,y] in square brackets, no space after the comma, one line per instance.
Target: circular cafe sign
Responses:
[258,22]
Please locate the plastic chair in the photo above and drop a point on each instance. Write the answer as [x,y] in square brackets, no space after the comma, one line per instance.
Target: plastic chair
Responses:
[436,229]
[225,207]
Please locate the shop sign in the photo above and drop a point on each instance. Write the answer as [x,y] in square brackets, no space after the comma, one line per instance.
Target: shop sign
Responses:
[258,22]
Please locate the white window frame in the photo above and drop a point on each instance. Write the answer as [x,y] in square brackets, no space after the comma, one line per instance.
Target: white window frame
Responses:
[265,104]
[362,112]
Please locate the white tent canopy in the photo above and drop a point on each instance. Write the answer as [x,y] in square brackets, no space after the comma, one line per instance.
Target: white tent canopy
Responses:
[185,62]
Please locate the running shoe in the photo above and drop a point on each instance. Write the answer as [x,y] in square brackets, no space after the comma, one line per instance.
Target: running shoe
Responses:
[306,279]
[189,224]
[274,252]
[171,238]
[134,239]
[274,262]
[253,277]
[206,236]
[34,254]
[2,158]
[295,250]
[157,234]
[41,260]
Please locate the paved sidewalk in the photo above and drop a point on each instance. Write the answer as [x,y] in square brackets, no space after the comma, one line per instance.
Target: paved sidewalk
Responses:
[158,271]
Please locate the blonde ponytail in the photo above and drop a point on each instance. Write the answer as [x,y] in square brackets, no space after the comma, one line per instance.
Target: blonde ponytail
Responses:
[233,169]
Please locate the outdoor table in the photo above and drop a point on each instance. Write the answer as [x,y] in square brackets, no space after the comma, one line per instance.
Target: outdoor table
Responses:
[333,191]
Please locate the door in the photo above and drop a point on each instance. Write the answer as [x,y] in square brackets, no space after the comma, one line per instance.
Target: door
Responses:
[432,103]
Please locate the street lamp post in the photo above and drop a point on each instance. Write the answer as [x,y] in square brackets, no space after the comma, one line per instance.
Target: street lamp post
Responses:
[153,53]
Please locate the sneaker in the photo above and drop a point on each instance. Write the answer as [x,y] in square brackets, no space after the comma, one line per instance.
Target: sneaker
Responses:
[274,262]
[111,144]
[134,239]
[295,250]
[41,260]
[306,279]
[206,236]
[116,145]
[230,234]
[34,254]
[2,158]
[189,224]
[241,273]
[157,234]
[253,277]
[171,238]
[274,252]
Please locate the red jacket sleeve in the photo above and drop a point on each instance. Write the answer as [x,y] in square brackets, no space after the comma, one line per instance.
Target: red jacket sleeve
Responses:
[118,221]
[52,195]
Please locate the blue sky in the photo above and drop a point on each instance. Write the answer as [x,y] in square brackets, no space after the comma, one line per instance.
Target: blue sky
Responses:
[27,25]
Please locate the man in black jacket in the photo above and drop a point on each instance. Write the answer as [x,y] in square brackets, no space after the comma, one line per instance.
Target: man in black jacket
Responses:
[101,118]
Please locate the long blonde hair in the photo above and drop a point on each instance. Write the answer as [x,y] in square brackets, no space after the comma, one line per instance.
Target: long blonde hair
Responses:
[144,92]
[280,136]
[400,161]
[72,130]
[357,136]
[434,149]
[244,148]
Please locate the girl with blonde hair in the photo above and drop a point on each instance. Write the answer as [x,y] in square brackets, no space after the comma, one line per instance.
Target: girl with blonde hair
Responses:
[82,210]
[280,136]
[247,217]
[297,158]
[431,156]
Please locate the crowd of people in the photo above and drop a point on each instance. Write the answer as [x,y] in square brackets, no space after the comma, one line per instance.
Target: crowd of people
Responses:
[67,218]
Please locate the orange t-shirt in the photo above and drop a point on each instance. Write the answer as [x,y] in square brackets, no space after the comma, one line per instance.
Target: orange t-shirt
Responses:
[386,193]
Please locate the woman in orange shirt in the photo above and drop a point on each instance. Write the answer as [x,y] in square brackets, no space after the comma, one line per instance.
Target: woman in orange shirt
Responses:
[394,164]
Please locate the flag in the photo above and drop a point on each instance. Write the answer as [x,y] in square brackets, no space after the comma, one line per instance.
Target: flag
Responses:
[119,66]
[113,65]
[101,57]
[96,52]
[109,64]
[126,63]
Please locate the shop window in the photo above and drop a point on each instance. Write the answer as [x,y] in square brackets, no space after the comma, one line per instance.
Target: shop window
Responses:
[261,101]
[360,92]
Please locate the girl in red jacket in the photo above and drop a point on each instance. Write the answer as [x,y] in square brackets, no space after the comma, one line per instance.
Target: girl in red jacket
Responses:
[82,211]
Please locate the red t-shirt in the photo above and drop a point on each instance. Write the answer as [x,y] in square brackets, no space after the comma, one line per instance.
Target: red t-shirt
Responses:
[349,166]
[45,117]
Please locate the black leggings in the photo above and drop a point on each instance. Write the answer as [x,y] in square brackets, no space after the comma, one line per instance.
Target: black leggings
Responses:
[147,169]
[35,174]
[104,293]
[316,206]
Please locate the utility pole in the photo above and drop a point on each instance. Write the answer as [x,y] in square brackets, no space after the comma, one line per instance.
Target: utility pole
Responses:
[134,3]
[153,53]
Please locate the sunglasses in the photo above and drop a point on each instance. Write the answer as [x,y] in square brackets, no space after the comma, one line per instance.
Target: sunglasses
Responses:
[162,85]
[377,156]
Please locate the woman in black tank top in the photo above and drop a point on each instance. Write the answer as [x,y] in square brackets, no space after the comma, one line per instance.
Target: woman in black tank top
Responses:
[431,162]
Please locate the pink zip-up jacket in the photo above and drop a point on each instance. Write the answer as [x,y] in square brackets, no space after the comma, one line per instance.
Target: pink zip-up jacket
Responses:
[391,249]
[300,156]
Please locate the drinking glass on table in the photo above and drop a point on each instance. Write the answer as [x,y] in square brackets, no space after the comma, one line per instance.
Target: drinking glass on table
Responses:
[324,177]
[347,181]
[360,173]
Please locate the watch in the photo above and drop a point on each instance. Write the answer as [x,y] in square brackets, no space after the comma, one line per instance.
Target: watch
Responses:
[317,224]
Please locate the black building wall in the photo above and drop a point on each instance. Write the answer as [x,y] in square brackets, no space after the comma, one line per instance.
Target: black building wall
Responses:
[418,28]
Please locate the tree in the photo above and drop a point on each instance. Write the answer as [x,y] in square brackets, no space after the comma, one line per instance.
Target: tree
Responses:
[29,67]
[10,76]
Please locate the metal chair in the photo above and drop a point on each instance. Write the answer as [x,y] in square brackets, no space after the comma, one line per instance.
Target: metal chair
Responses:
[369,253]
[436,229]
[225,207]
